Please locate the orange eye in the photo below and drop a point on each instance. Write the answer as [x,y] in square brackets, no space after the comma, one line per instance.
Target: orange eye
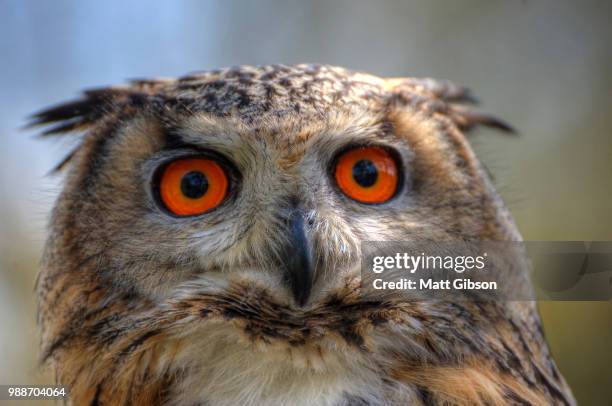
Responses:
[192,186]
[367,174]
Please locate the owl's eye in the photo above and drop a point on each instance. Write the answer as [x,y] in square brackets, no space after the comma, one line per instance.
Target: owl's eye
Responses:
[367,174]
[192,186]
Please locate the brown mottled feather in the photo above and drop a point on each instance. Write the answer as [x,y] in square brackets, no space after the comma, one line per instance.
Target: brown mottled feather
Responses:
[140,308]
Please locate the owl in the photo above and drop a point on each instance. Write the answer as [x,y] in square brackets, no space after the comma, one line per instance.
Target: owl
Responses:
[206,246]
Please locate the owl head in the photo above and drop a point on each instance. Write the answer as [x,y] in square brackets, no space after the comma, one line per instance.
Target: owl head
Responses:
[270,172]
[239,198]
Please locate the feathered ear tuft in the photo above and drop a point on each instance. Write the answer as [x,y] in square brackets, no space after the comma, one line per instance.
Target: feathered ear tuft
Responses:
[75,116]
[83,113]
[80,114]
[467,118]
[446,98]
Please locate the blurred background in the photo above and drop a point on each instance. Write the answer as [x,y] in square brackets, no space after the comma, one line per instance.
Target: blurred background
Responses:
[544,66]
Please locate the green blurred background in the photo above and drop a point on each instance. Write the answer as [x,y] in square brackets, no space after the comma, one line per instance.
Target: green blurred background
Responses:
[544,66]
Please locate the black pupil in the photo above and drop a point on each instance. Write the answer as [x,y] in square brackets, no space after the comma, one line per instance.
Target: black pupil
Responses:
[194,185]
[365,173]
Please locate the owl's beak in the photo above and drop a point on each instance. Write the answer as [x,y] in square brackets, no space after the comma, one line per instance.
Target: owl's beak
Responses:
[297,258]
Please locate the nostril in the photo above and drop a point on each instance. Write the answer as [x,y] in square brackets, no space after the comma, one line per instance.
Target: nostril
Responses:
[310,220]
[294,201]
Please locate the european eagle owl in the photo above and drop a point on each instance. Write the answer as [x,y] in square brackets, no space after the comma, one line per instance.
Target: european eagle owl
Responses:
[206,246]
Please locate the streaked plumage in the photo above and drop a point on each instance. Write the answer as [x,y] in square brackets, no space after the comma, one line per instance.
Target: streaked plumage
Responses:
[138,307]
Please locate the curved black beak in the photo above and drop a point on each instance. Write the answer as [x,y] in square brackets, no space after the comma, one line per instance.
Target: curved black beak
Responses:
[297,258]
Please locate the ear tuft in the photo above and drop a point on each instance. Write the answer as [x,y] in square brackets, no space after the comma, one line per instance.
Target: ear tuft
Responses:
[468,118]
[93,106]
[79,114]
[447,98]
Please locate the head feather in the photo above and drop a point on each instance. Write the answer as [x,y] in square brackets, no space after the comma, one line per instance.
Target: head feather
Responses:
[442,96]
